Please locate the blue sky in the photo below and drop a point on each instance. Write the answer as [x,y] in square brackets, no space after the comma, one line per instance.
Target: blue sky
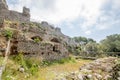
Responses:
[90,18]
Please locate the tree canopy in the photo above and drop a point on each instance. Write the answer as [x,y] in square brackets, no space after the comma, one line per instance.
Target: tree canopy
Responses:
[111,43]
[83,40]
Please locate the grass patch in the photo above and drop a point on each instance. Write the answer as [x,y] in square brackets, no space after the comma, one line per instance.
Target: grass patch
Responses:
[36,70]
[1,60]
[29,64]
[61,61]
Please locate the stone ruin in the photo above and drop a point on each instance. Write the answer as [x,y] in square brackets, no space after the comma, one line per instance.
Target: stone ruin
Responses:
[50,46]
[100,69]
[52,43]
[3,5]
[7,14]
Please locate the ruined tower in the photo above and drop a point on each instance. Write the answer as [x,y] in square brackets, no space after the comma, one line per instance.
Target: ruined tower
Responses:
[26,13]
[3,5]
[11,15]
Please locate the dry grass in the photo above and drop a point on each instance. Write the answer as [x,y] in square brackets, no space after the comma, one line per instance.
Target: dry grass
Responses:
[45,73]
[48,73]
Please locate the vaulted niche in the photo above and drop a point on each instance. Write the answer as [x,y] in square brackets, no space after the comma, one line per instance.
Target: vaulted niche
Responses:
[56,48]
[55,40]
[36,38]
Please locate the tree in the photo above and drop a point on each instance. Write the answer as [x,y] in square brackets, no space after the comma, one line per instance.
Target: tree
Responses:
[92,47]
[111,43]
[91,40]
[83,40]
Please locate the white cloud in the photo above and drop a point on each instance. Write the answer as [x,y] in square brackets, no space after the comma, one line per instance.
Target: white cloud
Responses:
[59,11]
[107,25]
[62,10]
[109,17]
[116,4]
[88,32]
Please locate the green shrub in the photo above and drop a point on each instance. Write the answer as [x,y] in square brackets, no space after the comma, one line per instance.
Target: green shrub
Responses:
[8,74]
[30,65]
[20,60]
[37,40]
[8,33]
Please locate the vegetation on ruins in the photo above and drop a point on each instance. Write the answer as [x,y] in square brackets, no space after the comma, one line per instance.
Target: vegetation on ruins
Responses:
[37,39]
[8,33]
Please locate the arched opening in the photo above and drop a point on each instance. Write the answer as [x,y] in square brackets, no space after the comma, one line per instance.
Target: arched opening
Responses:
[56,48]
[55,40]
[42,53]
[37,38]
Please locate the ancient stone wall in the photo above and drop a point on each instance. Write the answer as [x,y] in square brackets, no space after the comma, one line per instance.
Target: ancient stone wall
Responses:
[53,43]
[50,47]
[3,5]
[47,51]
[13,15]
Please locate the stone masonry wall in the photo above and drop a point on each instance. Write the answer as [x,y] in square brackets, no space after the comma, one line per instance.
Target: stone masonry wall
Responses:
[13,15]
[47,51]
[53,43]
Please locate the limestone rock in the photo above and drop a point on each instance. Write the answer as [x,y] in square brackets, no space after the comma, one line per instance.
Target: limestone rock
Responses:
[94,70]
[98,76]
[21,69]
[80,77]
[116,72]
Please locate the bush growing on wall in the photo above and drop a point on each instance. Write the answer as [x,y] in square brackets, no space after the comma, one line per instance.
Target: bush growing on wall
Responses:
[8,33]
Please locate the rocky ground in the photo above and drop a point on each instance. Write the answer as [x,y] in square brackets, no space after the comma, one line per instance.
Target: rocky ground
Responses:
[100,69]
